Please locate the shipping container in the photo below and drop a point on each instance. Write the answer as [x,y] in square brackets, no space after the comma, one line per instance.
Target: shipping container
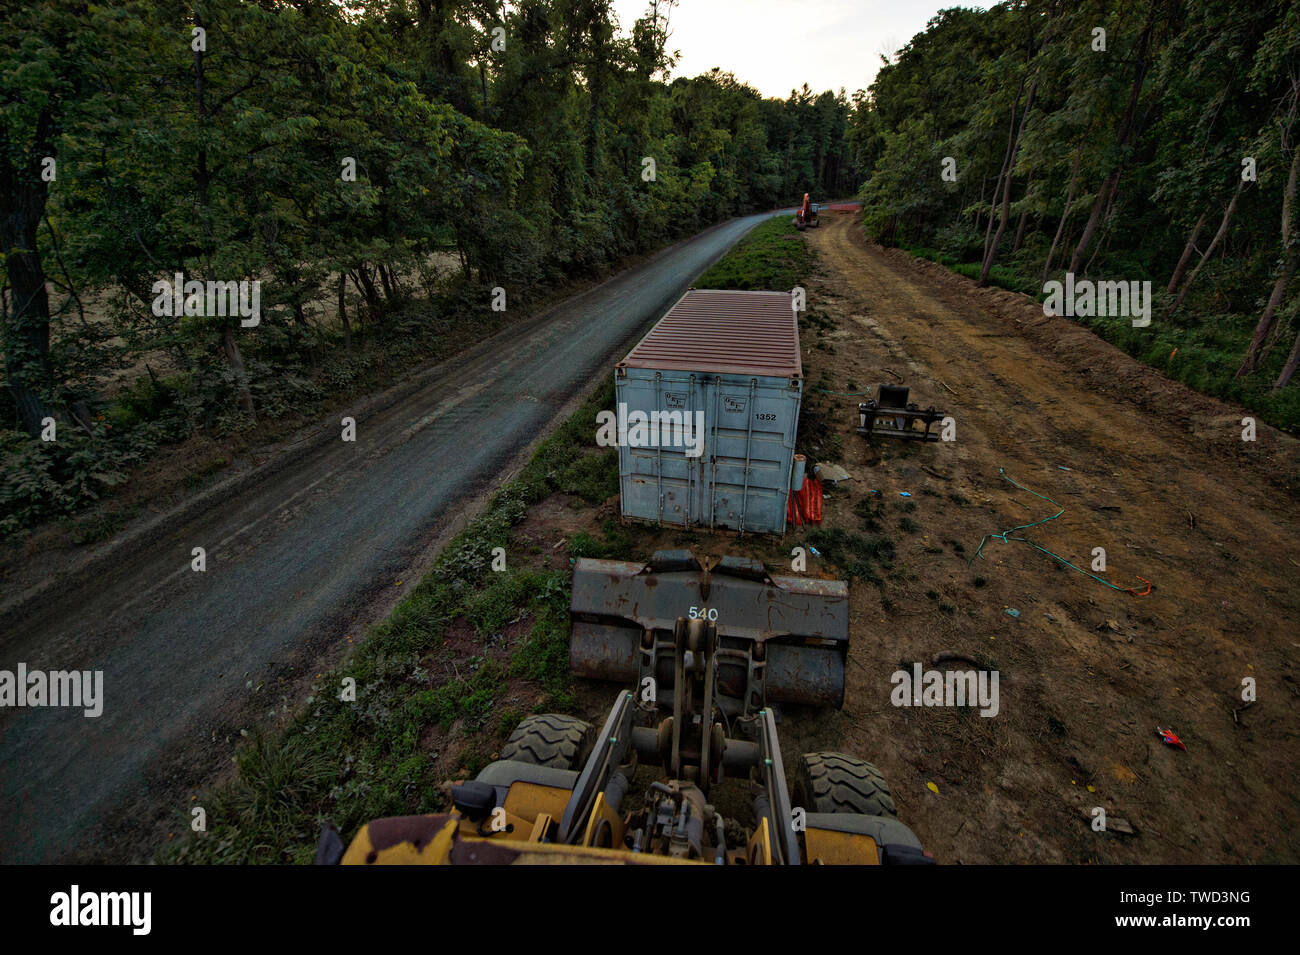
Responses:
[708,409]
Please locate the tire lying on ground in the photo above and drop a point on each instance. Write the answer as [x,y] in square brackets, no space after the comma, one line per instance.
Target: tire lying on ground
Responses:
[549,739]
[837,782]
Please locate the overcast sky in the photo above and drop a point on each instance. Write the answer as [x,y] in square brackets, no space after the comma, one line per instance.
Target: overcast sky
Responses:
[778,45]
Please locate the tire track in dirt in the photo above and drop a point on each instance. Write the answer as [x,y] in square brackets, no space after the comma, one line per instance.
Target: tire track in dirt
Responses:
[1169,497]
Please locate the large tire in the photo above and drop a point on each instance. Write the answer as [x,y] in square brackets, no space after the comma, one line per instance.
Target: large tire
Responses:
[549,739]
[837,782]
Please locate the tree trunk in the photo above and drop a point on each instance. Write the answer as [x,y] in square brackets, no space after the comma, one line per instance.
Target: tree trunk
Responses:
[343,312]
[310,335]
[1105,228]
[1099,205]
[1288,370]
[26,329]
[1181,268]
[389,278]
[1003,174]
[1024,216]
[1065,212]
[1291,250]
[236,360]
[1265,329]
[991,252]
[366,286]
[1214,244]
[203,185]
[1126,128]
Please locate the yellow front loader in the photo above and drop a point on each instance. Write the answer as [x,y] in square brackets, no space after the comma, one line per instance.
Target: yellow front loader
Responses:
[686,768]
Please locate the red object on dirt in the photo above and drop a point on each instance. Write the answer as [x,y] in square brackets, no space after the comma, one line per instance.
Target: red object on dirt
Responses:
[1134,590]
[1170,739]
[805,505]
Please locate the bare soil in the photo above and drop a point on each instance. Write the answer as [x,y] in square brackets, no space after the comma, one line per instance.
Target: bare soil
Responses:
[1160,478]
[1152,472]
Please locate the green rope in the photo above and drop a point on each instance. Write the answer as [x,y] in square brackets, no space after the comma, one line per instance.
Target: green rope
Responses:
[979,551]
[844,394]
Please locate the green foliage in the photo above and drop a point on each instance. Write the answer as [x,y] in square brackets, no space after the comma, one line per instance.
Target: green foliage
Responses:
[145,401]
[312,144]
[543,657]
[772,257]
[870,510]
[1138,144]
[853,555]
[592,477]
[42,480]
[502,601]
[614,543]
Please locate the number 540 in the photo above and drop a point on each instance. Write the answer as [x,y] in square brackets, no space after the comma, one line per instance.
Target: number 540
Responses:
[704,613]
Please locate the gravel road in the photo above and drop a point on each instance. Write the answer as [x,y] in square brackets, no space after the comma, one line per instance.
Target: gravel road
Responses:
[290,562]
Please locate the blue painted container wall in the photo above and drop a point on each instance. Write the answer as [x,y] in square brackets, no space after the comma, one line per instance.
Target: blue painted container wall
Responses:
[741,481]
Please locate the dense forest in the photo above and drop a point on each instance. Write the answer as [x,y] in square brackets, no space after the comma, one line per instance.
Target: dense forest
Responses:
[389,171]
[1150,140]
[379,168]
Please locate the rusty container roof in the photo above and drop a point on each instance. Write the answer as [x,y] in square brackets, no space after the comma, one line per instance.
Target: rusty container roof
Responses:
[724,332]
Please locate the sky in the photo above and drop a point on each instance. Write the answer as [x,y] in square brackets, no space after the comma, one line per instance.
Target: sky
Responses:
[778,45]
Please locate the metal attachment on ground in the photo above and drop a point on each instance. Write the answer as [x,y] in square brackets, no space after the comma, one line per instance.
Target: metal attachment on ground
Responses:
[889,415]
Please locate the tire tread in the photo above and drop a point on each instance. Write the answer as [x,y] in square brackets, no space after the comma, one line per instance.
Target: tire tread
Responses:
[549,739]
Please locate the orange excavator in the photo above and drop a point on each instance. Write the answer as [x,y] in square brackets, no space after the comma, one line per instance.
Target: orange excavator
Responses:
[806,214]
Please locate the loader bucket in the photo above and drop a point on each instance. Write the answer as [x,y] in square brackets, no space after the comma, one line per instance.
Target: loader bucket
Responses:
[781,639]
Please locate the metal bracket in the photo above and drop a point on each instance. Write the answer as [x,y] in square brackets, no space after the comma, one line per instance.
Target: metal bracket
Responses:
[889,415]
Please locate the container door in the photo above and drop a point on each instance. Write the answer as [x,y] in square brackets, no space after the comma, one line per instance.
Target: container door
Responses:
[708,460]
[699,464]
[673,466]
[732,460]
[752,445]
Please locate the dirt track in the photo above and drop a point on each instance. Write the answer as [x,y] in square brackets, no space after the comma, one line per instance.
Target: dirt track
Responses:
[1159,477]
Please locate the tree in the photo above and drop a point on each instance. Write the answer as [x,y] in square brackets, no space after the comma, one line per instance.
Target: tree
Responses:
[40,80]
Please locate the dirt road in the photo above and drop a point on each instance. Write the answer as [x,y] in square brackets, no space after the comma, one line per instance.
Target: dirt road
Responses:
[1151,472]
[295,565]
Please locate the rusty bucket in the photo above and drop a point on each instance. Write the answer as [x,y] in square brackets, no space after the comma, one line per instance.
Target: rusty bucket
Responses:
[781,639]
